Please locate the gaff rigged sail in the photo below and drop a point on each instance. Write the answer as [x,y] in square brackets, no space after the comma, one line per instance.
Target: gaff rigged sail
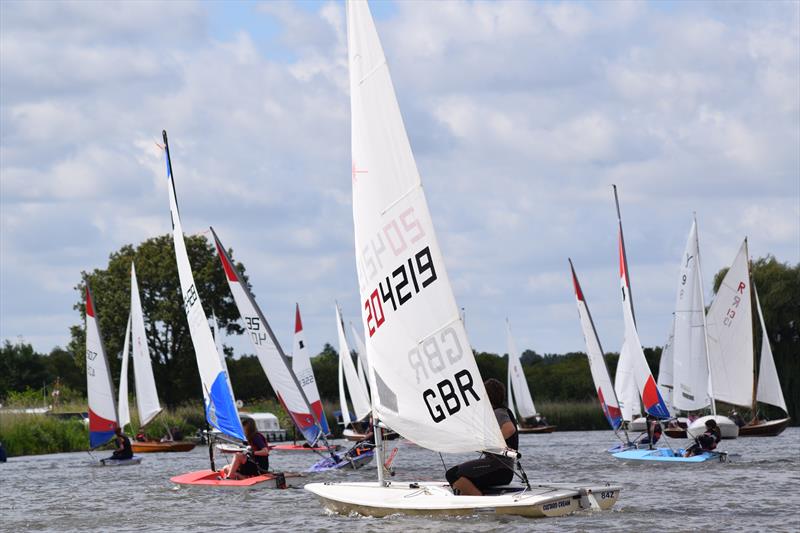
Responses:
[424,380]
[597,363]
[220,405]
[273,361]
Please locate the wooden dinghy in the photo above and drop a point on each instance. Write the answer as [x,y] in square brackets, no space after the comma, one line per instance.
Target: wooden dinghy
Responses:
[764,428]
[162,447]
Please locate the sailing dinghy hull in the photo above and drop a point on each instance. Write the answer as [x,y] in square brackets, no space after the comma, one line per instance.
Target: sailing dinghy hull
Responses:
[354,463]
[436,498]
[771,428]
[665,455]
[210,478]
[538,429]
[303,448]
[161,447]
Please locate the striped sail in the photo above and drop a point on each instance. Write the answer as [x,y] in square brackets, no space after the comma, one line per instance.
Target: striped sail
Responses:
[424,380]
[273,361]
[100,389]
[597,363]
[301,366]
[220,406]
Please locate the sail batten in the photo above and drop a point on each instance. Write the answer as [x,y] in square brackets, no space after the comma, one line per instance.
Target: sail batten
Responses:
[424,381]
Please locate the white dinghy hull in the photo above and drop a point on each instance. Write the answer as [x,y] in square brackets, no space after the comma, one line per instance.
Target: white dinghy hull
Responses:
[727,427]
[436,498]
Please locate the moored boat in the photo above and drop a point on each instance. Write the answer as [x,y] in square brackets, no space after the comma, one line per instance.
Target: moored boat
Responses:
[764,428]
[162,447]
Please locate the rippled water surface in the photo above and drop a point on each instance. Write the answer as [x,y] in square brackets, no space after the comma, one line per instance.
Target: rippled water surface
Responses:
[756,492]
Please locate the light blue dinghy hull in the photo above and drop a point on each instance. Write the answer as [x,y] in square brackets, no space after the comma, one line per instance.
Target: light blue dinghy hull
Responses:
[665,455]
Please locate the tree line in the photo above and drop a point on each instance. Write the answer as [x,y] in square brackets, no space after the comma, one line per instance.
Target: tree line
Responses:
[553,377]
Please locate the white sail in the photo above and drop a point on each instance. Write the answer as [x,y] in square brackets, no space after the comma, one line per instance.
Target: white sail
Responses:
[769,386]
[424,380]
[146,394]
[517,380]
[624,379]
[597,361]
[273,361]
[633,370]
[220,406]
[690,362]
[99,388]
[123,409]
[362,365]
[665,380]
[358,393]
[301,366]
[730,335]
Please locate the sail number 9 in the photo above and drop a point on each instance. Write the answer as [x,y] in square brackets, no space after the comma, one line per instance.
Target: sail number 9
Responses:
[408,279]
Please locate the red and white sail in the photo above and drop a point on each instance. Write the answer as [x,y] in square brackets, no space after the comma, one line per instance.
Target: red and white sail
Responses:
[273,361]
[424,380]
[597,363]
[100,389]
[301,366]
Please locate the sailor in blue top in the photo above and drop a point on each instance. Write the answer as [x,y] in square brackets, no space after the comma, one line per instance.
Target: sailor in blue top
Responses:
[491,470]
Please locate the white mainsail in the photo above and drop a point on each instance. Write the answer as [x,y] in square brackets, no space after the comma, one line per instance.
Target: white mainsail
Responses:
[146,394]
[273,361]
[690,361]
[633,372]
[348,374]
[99,388]
[301,366]
[665,380]
[597,361]
[123,410]
[730,335]
[517,381]
[424,380]
[769,386]
[220,406]
[362,365]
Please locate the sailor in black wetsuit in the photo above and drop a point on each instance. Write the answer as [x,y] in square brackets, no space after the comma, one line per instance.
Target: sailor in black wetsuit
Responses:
[124,450]
[491,470]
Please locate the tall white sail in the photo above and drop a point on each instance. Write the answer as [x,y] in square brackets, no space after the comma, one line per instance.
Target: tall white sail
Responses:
[769,386]
[123,409]
[362,365]
[424,380]
[358,393]
[690,362]
[99,388]
[517,380]
[633,370]
[597,361]
[665,380]
[146,394]
[273,361]
[220,406]
[301,366]
[730,335]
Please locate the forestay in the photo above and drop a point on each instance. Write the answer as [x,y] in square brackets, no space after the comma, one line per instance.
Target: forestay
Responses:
[730,335]
[517,381]
[424,380]
[273,361]
[146,394]
[769,386]
[633,372]
[220,407]
[347,373]
[123,409]
[100,390]
[597,362]
[690,362]
[301,366]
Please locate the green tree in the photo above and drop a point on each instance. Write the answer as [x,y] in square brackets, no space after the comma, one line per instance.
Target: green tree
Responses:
[20,368]
[171,350]
[778,286]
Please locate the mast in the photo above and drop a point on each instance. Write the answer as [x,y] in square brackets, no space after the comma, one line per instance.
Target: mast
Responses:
[754,405]
[274,339]
[705,324]
[624,253]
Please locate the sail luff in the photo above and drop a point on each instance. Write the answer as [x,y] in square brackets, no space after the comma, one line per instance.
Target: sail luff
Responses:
[123,409]
[705,319]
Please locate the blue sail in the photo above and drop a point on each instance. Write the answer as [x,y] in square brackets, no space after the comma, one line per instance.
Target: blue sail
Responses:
[221,409]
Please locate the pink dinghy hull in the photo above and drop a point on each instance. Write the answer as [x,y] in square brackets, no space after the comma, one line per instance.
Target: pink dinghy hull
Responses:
[209,478]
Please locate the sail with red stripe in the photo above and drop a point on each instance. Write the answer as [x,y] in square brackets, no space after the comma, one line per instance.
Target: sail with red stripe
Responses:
[597,362]
[301,366]
[99,388]
[270,354]
[632,368]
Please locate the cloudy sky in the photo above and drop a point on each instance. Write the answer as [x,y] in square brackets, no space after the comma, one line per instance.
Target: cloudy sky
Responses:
[521,116]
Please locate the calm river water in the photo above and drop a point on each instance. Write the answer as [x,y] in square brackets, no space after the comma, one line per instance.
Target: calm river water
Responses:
[760,491]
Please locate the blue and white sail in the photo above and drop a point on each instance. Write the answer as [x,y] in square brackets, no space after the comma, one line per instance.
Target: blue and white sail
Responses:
[220,405]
